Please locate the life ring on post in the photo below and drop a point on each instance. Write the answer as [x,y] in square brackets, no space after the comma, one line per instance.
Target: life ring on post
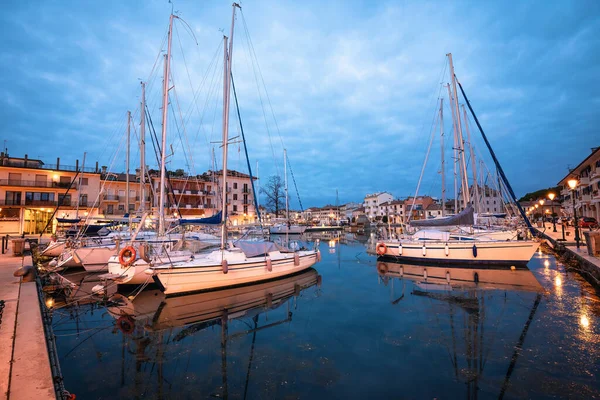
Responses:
[125,324]
[127,256]
[382,268]
[381,249]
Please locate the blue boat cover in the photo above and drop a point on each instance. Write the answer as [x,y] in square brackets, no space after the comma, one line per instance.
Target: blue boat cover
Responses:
[68,220]
[212,220]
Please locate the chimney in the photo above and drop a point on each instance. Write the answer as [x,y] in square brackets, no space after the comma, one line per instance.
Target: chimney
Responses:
[96,166]
[76,165]
[25,161]
[57,163]
[104,168]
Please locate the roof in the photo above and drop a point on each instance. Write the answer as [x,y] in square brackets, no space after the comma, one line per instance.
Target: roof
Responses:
[575,171]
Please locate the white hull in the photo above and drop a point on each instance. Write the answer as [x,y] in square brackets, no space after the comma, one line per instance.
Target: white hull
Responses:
[54,249]
[491,252]
[95,259]
[207,273]
[135,274]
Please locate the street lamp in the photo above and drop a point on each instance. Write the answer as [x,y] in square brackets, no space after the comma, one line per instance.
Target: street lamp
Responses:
[573,184]
[542,211]
[551,196]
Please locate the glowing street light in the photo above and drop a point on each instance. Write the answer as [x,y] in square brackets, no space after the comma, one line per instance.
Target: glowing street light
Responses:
[551,196]
[573,184]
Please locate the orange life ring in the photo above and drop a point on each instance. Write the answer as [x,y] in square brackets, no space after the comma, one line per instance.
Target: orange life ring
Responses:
[127,256]
[381,249]
[126,324]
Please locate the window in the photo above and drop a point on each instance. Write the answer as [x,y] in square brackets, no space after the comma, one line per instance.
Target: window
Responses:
[64,199]
[235,196]
[131,207]
[234,208]
[110,209]
[245,209]
[121,207]
[13,198]
[14,179]
[84,181]
[83,200]
[235,185]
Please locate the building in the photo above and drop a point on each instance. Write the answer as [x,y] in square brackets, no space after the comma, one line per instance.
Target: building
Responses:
[33,193]
[113,199]
[372,203]
[587,193]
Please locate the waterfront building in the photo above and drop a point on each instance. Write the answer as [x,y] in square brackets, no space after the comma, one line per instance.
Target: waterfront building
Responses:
[32,191]
[490,200]
[114,201]
[587,192]
[327,215]
[347,210]
[372,204]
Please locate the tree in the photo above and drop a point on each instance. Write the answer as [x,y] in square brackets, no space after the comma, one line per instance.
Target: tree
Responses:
[540,194]
[274,191]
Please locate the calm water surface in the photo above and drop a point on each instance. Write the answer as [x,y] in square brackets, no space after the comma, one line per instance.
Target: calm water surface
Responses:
[348,329]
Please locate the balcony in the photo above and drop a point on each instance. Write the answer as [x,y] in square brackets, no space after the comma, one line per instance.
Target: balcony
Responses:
[110,197]
[595,175]
[584,180]
[245,190]
[37,184]
[586,198]
[137,198]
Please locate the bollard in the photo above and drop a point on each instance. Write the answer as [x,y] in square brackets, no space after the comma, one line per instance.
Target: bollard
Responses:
[3,239]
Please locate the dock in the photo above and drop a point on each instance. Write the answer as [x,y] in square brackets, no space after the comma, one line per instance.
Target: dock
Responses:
[589,264]
[25,371]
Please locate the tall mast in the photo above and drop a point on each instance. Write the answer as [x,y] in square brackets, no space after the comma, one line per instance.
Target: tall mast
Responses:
[473,162]
[287,209]
[258,184]
[143,150]
[226,87]
[127,162]
[167,70]
[443,160]
[460,141]
[80,179]
[454,150]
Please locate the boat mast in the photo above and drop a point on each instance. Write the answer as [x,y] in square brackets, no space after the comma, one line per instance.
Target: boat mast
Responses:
[127,162]
[143,150]
[285,187]
[460,140]
[443,160]
[454,149]
[80,179]
[473,162]
[226,86]
[161,207]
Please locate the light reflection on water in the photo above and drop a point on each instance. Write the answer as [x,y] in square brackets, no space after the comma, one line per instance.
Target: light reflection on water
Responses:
[365,332]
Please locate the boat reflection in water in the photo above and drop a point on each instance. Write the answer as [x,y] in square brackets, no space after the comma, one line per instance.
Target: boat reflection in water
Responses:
[468,315]
[153,311]
[448,278]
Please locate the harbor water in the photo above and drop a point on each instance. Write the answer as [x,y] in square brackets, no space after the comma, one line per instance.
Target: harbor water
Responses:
[348,329]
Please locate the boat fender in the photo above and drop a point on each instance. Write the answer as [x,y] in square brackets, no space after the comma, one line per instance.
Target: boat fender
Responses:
[475,251]
[400,249]
[126,324]
[318,255]
[424,249]
[296,259]
[476,277]
[127,256]
[382,268]
[269,300]
[448,277]
[425,274]
[297,290]
[401,272]
[447,250]
[381,249]
[319,280]
[224,266]
[269,265]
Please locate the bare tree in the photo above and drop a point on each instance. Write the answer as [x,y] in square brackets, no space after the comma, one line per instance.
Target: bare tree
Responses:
[274,191]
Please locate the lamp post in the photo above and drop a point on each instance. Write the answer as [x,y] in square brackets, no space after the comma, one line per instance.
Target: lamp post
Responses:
[551,196]
[573,184]
[542,211]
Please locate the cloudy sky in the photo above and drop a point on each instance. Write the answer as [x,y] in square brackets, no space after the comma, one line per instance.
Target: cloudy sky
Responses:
[350,88]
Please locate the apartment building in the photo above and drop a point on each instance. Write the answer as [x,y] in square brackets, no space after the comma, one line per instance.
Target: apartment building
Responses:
[587,192]
[116,199]
[372,204]
[32,191]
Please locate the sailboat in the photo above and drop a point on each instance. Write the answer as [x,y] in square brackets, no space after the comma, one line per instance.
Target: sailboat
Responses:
[234,263]
[444,240]
[285,227]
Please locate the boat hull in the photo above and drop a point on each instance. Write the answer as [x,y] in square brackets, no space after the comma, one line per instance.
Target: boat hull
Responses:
[491,252]
[194,277]
[283,229]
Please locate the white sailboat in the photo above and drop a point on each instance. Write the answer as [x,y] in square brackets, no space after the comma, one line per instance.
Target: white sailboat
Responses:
[285,227]
[444,240]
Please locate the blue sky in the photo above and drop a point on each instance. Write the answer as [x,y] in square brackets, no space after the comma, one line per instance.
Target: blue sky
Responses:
[353,86]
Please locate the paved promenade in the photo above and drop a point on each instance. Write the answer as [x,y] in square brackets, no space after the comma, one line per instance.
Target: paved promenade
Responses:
[24,364]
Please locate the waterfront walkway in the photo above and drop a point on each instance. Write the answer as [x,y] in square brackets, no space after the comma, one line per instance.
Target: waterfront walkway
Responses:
[24,364]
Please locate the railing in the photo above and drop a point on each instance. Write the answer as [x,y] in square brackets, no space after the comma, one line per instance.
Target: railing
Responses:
[110,197]
[137,198]
[36,165]
[595,174]
[245,190]
[584,180]
[586,197]
[40,184]
[210,206]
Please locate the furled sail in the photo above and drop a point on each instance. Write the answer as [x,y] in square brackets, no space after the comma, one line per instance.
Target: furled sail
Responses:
[465,217]
[212,220]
